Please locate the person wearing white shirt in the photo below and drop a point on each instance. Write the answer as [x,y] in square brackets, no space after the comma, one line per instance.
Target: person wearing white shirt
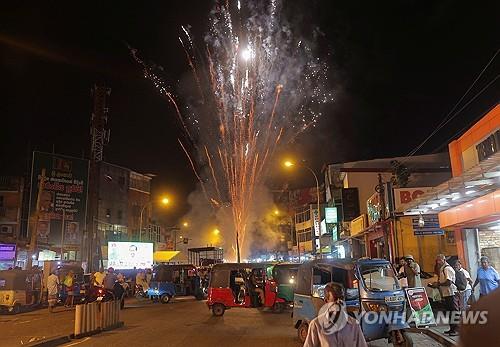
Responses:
[446,285]
[465,294]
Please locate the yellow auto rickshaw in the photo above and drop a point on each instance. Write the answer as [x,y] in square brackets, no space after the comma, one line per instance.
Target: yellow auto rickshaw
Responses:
[20,289]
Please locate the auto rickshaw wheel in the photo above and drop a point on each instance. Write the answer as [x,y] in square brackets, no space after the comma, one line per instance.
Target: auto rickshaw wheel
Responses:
[16,309]
[408,342]
[165,299]
[302,331]
[218,310]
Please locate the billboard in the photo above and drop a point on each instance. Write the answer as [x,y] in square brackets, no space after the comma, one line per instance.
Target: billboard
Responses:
[63,199]
[129,255]
[7,255]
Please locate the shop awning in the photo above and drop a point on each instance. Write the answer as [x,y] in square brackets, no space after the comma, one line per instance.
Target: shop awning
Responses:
[164,256]
[482,179]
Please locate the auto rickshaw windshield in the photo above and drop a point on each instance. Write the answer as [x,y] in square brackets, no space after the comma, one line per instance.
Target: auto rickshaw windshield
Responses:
[379,277]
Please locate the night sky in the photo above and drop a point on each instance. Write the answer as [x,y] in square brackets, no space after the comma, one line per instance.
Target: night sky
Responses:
[396,68]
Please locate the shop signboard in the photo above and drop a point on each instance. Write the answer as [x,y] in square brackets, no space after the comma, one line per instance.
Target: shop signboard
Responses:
[45,255]
[420,306]
[430,226]
[350,204]
[63,199]
[331,215]
[316,222]
[373,208]
[358,225]
[403,196]
[7,255]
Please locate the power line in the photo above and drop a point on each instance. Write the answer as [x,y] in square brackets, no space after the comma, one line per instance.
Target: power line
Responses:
[449,115]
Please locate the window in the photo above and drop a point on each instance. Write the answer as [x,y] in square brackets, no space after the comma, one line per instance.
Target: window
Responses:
[377,278]
[119,214]
[1,200]
[108,213]
[320,278]
[489,146]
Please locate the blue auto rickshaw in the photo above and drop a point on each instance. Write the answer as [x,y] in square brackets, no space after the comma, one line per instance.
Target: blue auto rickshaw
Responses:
[161,291]
[174,280]
[371,291]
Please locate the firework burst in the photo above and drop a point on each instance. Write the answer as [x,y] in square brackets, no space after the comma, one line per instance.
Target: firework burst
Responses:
[257,86]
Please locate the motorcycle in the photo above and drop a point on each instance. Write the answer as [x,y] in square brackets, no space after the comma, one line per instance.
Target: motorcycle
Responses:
[140,293]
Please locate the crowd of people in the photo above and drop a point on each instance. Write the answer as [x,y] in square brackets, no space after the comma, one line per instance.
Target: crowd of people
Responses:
[454,282]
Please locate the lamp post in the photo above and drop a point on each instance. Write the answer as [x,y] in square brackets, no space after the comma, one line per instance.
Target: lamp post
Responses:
[165,201]
[289,164]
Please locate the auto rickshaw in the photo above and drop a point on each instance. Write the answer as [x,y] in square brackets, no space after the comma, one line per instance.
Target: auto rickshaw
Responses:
[285,275]
[241,285]
[20,289]
[371,291]
[179,280]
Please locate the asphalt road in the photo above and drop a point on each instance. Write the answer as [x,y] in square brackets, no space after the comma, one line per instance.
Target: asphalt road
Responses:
[184,322]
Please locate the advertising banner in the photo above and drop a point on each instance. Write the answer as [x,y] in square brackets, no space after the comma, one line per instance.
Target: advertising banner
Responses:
[129,255]
[421,309]
[63,199]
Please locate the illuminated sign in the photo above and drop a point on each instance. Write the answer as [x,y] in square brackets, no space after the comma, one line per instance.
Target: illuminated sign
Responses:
[129,255]
[331,215]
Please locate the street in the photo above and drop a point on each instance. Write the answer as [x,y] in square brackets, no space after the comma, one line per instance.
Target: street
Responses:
[184,322]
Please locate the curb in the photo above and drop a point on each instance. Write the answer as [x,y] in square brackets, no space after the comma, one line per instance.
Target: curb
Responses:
[51,342]
[442,339]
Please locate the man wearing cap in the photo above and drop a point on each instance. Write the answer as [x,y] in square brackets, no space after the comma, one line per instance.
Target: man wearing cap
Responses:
[412,271]
[333,326]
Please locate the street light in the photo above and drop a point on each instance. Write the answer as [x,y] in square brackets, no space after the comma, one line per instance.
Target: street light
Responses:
[216,231]
[185,224]
[164,201]
[289,164]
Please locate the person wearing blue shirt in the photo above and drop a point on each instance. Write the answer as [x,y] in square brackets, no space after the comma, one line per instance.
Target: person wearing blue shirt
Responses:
[487,278]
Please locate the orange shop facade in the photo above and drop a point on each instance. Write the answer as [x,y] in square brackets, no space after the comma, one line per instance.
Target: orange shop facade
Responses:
[469,203]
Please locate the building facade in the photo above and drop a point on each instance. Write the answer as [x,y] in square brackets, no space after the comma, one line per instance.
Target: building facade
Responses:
[469,203]
[11,202]
[378,230]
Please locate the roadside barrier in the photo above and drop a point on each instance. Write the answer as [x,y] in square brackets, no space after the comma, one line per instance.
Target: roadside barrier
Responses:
[95,317]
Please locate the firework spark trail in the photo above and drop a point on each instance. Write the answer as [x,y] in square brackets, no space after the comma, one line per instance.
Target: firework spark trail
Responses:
[259,86]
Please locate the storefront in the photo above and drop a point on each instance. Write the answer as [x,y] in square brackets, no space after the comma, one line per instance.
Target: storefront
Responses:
[468,205]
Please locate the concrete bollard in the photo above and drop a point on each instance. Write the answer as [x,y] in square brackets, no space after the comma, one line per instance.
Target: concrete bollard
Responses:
[88,319]
[78,319]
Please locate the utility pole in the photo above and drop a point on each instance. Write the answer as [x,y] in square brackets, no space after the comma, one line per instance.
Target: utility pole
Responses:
[34,225]
[99,134]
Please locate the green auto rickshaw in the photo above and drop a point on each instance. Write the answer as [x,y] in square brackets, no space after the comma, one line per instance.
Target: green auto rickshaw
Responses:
[285,275]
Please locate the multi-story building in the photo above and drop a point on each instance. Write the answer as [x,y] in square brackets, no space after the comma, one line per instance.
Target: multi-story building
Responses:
[139,198]
[11,196]
[368,224]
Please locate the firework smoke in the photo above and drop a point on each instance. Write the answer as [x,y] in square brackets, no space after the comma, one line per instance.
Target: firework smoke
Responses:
[256,86]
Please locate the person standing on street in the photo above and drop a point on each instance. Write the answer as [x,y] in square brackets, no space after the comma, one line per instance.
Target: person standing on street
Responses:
[487,278]
[52,290]
[68,284]
[99,277]
[403,281]
[446,285]
[412,271]
[464,293]
[334,327]
[110,280]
